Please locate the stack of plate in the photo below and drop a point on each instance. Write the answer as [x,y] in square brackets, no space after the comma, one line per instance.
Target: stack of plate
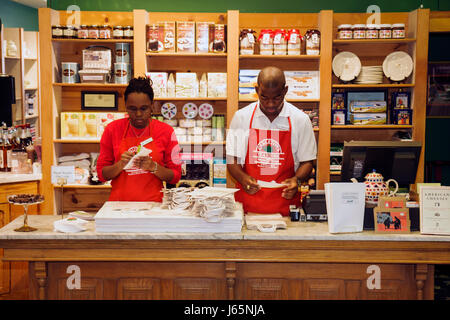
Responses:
[370,75]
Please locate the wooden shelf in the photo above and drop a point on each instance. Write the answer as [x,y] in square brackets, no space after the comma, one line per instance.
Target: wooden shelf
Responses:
[114,85]
[381,85]
[281,57]
[97,41]
[374,126]
[83,186]
[374,41]
[184,55]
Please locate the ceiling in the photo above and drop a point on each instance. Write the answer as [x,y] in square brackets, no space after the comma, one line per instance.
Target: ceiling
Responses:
[33,3]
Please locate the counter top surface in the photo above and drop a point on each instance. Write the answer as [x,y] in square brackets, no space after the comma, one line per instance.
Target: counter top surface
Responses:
[295,231]
[13,178]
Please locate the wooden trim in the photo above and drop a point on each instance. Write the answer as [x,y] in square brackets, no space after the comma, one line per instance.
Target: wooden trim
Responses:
[440,21]
[140,20]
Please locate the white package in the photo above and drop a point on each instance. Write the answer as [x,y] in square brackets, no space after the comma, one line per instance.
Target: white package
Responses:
[159,83]
[217,84]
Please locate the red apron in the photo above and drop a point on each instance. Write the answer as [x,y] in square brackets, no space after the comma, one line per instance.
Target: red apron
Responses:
[269,157]
[136,184]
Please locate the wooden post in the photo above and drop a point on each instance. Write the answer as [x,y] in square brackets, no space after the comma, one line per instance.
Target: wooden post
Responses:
[230,268]
[421,276]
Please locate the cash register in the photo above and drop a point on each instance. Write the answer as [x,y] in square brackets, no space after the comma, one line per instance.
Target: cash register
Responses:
[314,206]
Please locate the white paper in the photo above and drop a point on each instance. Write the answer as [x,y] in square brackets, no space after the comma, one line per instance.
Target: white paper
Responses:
[143,153]
[270,184]
[435,210]
[345,206]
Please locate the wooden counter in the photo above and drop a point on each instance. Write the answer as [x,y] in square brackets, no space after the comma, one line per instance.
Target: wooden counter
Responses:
[302,262]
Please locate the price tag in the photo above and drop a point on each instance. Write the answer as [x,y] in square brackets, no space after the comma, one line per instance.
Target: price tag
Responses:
[63,172]
[293,38]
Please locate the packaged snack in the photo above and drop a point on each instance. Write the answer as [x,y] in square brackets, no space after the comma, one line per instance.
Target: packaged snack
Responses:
[217,84]
[203,36]
[70,125]
[186,36]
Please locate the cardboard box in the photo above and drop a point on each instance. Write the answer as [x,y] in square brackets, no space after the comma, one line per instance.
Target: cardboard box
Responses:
[367,118]
[159,83]
[186,36]
[169,36]
[70,125]
[248,78]
[186,85]
[368,106]
[217,84]
[88,125]
[203,36]
[220,173]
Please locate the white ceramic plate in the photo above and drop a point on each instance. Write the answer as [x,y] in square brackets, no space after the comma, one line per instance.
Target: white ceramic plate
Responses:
[398,65]
[190,110]
[168,110]
[205,111]
[346,66]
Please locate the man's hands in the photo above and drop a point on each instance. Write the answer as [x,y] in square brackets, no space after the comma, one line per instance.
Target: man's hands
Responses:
[250,184]
[291,188]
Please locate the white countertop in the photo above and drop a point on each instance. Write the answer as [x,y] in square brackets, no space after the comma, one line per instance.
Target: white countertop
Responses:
[295,231]
[13,178]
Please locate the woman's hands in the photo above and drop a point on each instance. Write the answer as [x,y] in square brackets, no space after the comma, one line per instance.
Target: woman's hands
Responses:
[144,163]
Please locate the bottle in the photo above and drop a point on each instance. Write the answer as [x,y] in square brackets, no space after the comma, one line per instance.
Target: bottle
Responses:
[30,147]
[7,149]
[28,135]
[23,137]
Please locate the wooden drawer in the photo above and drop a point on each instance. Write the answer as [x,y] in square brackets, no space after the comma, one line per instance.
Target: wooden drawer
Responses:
[90,200]
[16,188]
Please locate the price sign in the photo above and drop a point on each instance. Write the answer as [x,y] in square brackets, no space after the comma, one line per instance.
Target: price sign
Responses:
[63,173]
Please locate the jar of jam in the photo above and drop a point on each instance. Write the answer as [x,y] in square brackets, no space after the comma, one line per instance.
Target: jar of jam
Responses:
[57,32]
[385,31]
[359,31]
[247,41]
[345,31]
[105,32]
[83,32]
[69,32]
[312,42]
[398,30]
[372,31]
[294,42]
[128,32]
[266,42]
[94,32]
[280,42]
[219,38]
[118,32]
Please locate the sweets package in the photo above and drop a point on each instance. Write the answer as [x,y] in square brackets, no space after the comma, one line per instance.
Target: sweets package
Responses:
[186,85]
[248,78]
[204,35]
[159,83]
[302,84]
[103,119]
[367,118]
[155,36]
[402,116]
[168,35]
[88,125]
[368,106]
[186,36]
[217,84]
[70,125]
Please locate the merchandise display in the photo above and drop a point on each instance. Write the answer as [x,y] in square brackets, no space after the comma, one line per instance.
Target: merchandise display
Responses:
[371,31]
[99,32]
[86,125]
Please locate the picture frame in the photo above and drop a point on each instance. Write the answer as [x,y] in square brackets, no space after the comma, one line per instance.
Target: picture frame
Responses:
[388,220]
[99,100]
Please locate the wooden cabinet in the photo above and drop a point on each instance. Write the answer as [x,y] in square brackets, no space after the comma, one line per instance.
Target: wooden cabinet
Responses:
[59,97]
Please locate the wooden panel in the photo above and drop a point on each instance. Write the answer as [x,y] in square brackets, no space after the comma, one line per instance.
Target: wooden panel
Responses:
[4,266]
[440,21]
[138,289]
[16,188]
[216,17]
[91,289]
[324,289]
[196,289]
[90,200]
[98,17]
[262,289]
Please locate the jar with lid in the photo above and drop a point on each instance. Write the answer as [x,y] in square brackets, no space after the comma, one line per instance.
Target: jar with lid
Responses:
[118,32]
[128,32]
[219,38]
[69,32]
[266,42]
[280,42]
[83,32]
[105,32]
[372,31]
[57,32]
[312,42]
[345,31]
[359,31]
[94,32]
[385,31]
[294,41]
[398,30]
[247,41]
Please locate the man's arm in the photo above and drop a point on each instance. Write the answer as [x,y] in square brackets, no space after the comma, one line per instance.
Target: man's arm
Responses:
[249,183]
[302,173]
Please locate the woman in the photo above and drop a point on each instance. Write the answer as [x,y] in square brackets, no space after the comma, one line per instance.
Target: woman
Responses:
[121,140]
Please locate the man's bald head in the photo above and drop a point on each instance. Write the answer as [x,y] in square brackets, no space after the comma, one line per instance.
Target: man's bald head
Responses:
[271,77]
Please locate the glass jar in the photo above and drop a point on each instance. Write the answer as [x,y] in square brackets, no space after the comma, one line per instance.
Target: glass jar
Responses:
[118,32]
[385,31]
[128,32]
[247,41]
[372,31]
[359,31]
[280,42]
[105,32]
[266,42]
[345,31]
[69,32]
[295,40]
[57,32]
[94,32]
[312,38]
[398,30]
[83,32]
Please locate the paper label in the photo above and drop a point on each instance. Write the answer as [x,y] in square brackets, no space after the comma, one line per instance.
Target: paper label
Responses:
[63,172]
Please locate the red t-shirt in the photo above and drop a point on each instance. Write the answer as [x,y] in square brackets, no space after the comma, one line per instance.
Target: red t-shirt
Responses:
[163,135]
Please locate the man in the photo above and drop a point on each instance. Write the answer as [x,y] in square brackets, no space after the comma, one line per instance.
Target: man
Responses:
[270,140]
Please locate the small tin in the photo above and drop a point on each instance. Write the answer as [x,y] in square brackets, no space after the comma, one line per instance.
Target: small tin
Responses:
[69,72]
[122,72]
[122,52]
[294,212]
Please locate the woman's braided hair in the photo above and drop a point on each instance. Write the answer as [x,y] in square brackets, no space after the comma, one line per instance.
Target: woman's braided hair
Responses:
[140,85]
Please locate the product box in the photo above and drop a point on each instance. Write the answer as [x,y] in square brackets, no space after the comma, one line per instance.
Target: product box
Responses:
[368,106]
[338,101]
[248,78]
[367,118]
[217,84]
[204,35]
[103,119]
[70,125]
[186,36]
[247,93]
[338,116]
[168,35]
[402,116]
[88,125]
[302,84]
[155,34]
[97,58]
[220,173]
[186,85]
[159,83]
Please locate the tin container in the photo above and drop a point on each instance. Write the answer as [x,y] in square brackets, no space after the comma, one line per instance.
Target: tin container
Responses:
[69,72]
[122,72]
[122,52]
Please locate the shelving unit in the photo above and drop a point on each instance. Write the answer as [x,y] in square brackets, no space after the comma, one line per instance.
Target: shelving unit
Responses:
[57,97]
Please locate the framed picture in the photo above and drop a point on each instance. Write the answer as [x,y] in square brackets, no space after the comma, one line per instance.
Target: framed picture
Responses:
[99,100]
[387,220]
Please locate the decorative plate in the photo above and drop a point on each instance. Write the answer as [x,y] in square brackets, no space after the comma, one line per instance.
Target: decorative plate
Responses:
[398,65]
[168,110]
[205,111]
[346,66]
[190,110]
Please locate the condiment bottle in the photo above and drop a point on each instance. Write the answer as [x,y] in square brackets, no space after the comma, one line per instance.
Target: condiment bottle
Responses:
[372,31]
[385,31]
[83,32]
[118,32]
[128,32]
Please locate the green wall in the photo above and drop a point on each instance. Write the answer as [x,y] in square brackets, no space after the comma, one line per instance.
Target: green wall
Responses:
[249,5]
[15,15]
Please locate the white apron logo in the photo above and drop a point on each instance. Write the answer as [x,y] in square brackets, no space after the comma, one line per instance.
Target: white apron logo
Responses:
[268,154]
